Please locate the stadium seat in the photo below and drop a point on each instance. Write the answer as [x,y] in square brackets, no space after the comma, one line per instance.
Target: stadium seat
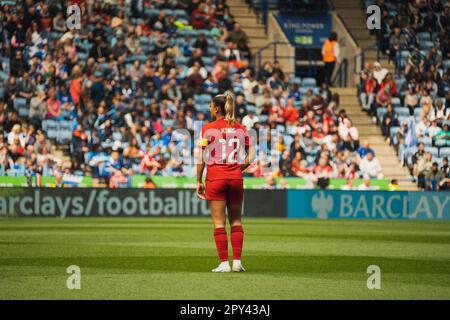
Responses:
[440,143]
[427,45]
[425,140]
[287,140]
[396,101]
[381,112]
[402,111]
[64,136]
[49,124]
[417,112]
[296,80]
[19,102]
[23,111]
[52,133]
[251,108]
[309,82]
[444,152]
[446,64]
[433,150]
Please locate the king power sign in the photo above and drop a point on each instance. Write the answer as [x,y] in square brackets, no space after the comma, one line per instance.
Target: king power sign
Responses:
[368,205]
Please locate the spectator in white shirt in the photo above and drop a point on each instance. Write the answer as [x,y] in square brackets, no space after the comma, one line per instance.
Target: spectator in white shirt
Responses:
[422,127]
[249,120]
[349,134]
[371,167]
[439,113]
[433,129]
[366,185]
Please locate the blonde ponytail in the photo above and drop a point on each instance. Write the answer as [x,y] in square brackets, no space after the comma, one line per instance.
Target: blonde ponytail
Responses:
[229,108]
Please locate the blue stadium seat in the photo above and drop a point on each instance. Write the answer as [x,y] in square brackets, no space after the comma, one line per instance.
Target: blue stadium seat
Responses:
[287,140]
[66,125]
[423,36]
[296,80]
[402,111]
[417,112]
[444,152]
[23,111]
[425,140]
[427,44]
[49,124]
[52,133]
[396,101]
[64,136]
[381,112]
[433,150]
[393,131]
[251,108]
[309,82]
[19,102]
[263,117]
[446,64]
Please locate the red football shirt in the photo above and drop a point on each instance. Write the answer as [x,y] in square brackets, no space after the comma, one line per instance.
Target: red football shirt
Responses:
[224,145]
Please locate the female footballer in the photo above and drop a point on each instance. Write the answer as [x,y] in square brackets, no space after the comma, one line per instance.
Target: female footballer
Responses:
[224,190]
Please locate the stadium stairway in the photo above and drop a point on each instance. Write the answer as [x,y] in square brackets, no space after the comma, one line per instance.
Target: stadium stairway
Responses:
[390,164]
[247,18]
[354,17]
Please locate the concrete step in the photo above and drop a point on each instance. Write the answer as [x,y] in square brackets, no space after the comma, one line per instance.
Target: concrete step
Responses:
[258,42]
[346,4]
[362,33]
[248,21]
[257,32]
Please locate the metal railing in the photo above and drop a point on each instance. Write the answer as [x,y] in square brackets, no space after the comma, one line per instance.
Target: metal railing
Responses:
[311,62]
[341,74]
[258,55]
[362,56]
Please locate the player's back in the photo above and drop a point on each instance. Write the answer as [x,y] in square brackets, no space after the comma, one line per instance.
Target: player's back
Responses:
[226,145]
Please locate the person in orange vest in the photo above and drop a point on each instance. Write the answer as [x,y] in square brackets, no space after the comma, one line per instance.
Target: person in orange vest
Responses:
[330,54]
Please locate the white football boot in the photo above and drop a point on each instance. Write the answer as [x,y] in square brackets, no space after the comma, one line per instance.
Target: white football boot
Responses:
[223,267]
[237,266]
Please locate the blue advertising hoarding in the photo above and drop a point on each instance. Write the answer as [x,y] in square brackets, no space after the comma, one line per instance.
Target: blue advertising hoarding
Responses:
[368,205]
[305,29]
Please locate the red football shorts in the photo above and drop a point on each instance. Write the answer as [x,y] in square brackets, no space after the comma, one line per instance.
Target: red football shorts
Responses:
[229,190]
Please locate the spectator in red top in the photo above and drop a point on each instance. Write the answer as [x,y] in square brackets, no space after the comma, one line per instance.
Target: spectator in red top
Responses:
[290,113]
[200,19]
[388,84]
[53,105]
[318,134]
[322,173]
[328,122]
[276,113]
[367,95]
[310,119]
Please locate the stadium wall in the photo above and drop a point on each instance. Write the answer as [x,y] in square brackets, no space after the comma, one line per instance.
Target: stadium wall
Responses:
[285,51]
[349,49]
[97,202]
[398,205]
[311,204]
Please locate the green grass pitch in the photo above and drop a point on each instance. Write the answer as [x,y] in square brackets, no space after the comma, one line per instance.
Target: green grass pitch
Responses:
[171,258]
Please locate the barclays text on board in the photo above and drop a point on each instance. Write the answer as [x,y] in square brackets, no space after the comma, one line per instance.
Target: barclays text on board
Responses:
[312,204]
[101,202]
[368,205]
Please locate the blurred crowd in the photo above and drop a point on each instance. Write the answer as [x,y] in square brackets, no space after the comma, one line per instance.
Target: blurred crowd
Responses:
[412,105]
[105,100]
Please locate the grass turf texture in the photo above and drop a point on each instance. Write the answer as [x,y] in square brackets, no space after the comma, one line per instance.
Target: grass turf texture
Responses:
[171,258]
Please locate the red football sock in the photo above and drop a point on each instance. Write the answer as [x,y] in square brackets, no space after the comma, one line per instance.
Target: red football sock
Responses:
[237,239]
[220,237]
